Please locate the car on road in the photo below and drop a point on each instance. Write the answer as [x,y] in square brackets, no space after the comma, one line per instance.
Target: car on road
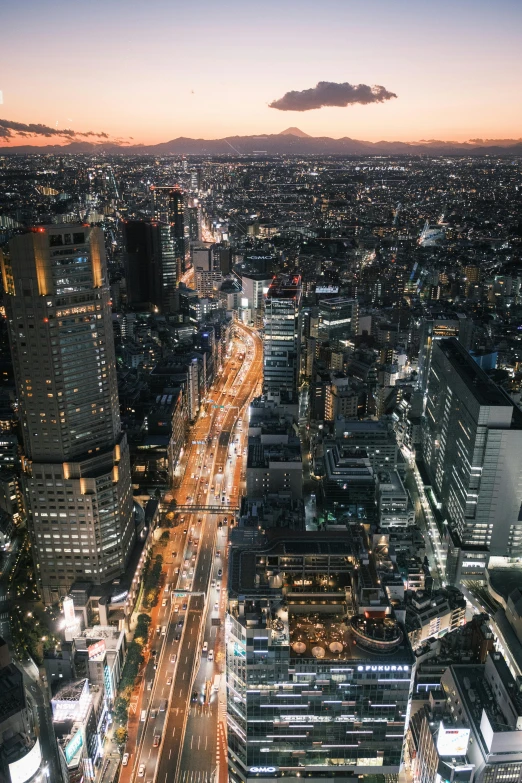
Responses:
[218,553]
[156,740]
[125,760]
[211,655]
[164,602]
[194,696]
[178,636]
[216,607]
[205,647]
[184,607]
[141,771]
[173,658]
[220,572]
[169,679]
[176,608]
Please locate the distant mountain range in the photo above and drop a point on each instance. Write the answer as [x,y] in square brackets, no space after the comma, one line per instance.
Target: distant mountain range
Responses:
[291,141]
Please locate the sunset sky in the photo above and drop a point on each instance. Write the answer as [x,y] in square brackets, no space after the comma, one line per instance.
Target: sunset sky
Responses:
[161,69]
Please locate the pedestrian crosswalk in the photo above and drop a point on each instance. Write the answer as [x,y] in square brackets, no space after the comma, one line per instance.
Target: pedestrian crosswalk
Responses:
[196,776]
[221,744]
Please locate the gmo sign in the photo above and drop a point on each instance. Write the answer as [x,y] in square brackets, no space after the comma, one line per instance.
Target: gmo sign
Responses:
[263,769]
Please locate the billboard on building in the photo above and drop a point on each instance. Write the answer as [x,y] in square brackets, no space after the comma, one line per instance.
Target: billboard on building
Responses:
[26,767]
[327,289]
[73,746]
[452,742]
[98,648]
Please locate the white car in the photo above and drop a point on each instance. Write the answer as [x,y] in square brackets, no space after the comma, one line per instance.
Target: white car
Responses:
[216,607]
[210,655]
[125,760]
[141,771]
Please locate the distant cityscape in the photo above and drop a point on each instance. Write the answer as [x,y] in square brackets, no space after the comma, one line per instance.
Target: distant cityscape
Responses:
[261,462]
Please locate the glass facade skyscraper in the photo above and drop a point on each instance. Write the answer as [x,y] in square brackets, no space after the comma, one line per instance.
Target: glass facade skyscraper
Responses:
[472,441]
[281,340]
[76,459]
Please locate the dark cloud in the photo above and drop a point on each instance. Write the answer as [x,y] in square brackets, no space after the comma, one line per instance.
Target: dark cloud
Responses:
[10,129]
[331,94]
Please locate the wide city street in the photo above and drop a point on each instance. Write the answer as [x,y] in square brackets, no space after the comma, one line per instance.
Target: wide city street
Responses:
[177,730]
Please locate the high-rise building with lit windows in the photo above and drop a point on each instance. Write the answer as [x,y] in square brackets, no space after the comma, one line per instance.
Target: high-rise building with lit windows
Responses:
[76,460]
[169,208]
[472,440]
[319,669]
[282,335]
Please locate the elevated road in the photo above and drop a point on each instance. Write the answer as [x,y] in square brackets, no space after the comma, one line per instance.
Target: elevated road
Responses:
[210,491]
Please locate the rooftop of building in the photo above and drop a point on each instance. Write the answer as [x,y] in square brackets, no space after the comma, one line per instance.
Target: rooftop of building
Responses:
[336,302]
[504,580]
[284,287]
[261,455]
[283,543]
[71,691]
[335,636]
[12,697]
[478,694]
[389,480]
[479,384]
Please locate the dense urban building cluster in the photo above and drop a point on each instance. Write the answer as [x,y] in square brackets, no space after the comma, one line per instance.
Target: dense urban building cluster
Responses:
[260,469]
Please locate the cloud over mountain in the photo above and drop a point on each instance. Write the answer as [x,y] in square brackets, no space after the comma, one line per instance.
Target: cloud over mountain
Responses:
[10,129]
[331,94]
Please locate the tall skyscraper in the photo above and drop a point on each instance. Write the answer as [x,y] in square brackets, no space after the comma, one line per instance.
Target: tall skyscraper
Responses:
[436,327]
[472,441]
[282,335]
[152,264]
[169,208]
[76,459]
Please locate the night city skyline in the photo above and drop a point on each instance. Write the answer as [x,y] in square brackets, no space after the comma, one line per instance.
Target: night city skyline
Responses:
[261,392]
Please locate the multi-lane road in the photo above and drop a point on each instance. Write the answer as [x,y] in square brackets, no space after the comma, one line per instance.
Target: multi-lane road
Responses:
[180,712]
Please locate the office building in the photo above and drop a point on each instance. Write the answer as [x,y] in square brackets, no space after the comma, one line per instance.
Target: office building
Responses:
[76,460]
[319,670]
[437,327]
[168,206]
[274,463]
[395,506]
[282,335]
[348,482]
[209,262]
[375,438]
[434,614]
[255,287]
[80,719]
[472,441]
[23,757]
[338,320]
[486,698]
[153,265]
